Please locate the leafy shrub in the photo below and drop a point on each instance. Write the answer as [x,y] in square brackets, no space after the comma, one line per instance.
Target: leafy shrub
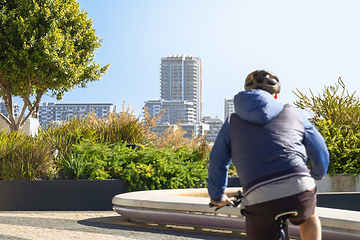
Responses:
[344,147]
[62,137]
[142,167]
[75,167]
[87,161]
[165,168]
[336,114]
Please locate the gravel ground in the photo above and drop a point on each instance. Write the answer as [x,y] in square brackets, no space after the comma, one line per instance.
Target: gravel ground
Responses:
[95,225]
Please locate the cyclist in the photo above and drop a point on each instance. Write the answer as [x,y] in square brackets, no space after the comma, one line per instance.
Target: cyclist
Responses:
[269,143]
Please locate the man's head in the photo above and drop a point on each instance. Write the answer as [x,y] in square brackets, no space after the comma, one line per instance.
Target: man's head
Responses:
[261,79]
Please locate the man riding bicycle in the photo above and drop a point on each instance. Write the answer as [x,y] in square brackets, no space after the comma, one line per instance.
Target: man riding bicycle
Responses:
[269,144]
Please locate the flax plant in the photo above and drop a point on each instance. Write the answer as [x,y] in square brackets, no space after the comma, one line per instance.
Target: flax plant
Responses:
[125,127]
[23,157]
[173,137]
[62,137]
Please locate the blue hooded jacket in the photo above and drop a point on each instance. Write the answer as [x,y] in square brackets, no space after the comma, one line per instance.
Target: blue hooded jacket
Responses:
[267,141]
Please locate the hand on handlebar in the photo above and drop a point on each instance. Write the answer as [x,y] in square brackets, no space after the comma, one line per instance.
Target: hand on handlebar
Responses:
[226,201]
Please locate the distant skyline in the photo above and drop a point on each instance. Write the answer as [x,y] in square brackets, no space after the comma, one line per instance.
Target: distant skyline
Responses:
[307,44]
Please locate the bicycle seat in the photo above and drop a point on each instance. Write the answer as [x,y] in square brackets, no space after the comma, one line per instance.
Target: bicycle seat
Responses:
[286,215]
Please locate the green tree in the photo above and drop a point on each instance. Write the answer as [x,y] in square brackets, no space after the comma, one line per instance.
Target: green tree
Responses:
[47,46]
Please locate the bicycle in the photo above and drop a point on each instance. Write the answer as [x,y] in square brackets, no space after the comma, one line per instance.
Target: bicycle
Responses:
[282,216]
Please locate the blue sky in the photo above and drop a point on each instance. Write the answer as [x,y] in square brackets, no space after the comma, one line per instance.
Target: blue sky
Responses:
[307,44]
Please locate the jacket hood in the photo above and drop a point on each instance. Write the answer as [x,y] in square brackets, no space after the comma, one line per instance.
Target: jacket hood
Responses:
[257,106]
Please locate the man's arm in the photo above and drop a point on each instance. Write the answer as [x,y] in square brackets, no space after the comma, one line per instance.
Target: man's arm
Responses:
[316,150]
[220,159]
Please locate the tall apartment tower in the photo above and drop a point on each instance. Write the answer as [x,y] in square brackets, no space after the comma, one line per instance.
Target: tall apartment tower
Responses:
[229,107]
[180,95]
[181,81]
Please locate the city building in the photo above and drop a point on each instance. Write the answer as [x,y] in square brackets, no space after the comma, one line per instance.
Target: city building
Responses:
[181,81]
[4,111]
[175,111]
[153,107]
[30,127]
[54,112]
[229,107]
[180,95]
[196,129]
[215,125]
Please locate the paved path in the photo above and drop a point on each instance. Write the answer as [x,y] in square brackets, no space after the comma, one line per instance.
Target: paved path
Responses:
[94,225]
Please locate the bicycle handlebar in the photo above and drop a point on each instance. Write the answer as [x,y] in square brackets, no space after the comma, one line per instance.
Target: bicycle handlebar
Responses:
[235,203]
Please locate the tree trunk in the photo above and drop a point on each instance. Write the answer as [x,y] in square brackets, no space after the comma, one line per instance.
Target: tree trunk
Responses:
[14,127]
[6,92]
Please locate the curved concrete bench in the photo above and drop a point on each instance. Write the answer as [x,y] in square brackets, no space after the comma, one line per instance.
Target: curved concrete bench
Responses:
[189,207]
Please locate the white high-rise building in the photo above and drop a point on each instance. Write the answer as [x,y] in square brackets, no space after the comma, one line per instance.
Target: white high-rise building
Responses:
[51,111]
[229,107]
[181,82]
[180,95]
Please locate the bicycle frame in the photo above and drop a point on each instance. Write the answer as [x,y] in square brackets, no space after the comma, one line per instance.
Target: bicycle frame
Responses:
[283,217]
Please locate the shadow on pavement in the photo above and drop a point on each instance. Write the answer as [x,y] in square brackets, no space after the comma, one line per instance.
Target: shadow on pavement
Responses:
[120,223]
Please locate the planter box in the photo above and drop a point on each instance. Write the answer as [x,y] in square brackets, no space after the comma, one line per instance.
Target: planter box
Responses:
[339,183]
[59,195]
[339,200]
[234,182]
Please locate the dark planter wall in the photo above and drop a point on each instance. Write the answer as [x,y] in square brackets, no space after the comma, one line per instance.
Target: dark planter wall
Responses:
[234,182]
[96,195]
[59,195]
[346,201]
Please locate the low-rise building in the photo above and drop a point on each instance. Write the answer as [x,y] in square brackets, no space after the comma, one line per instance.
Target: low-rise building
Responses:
[52,111]
[175,111]
[215,124]
[196,129]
